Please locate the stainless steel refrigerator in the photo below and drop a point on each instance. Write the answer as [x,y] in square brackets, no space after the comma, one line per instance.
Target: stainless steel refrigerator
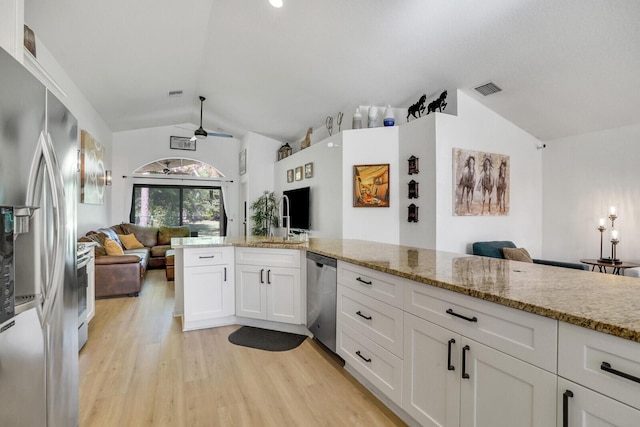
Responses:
[38,327]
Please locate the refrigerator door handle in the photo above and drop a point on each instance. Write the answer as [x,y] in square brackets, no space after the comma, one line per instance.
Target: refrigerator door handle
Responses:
[44,151]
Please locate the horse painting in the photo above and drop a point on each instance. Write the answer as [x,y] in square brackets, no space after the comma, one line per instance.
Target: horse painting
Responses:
[467,182]
[486,182]
[485,174]
[418,108]
[501,186]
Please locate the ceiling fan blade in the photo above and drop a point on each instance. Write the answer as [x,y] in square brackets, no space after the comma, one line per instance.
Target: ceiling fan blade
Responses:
[221,135]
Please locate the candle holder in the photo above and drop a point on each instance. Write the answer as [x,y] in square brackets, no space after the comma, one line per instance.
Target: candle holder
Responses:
[614,243]
[601,229]
[614,237]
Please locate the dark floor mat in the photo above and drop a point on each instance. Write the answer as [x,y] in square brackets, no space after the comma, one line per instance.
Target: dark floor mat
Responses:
[264,339]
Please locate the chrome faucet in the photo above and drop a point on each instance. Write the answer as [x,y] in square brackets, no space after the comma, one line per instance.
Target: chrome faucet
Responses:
[287,235]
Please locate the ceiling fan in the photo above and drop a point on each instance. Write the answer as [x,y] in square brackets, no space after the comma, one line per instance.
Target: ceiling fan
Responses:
[200,133]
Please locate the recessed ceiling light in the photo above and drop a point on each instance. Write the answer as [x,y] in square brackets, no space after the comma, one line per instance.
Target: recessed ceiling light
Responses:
[276,3]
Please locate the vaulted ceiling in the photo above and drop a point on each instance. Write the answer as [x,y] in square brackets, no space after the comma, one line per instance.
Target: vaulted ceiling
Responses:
[565,67]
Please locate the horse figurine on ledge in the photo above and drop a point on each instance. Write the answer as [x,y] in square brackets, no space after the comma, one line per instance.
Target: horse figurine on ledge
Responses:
[439,103]
[418,107]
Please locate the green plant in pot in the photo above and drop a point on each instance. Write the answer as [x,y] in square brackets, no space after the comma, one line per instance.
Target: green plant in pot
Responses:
[265,214]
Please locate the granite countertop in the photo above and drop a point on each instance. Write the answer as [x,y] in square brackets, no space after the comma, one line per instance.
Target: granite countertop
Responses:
[603,302]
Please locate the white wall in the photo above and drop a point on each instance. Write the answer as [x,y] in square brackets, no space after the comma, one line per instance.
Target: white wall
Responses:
[325,185]
[418,138]
[478,128]
[11,27]
[582,176]
[135,148]
[364,147]
[261,157]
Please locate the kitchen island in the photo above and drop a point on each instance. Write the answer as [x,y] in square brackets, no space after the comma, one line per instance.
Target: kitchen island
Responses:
[478,327]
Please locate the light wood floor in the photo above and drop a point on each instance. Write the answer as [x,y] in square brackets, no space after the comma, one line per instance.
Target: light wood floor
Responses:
[139,369]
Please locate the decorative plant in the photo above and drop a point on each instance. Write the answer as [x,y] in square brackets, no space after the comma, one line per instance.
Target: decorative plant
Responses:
[265,214]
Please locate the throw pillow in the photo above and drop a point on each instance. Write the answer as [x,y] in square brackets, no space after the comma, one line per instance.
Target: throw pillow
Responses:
[112,247]
[516,254]
[129,241]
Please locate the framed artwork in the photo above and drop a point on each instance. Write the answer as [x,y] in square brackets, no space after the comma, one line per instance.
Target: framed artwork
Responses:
[92,170]
[299,173]
[481,183]
[182,143]
[243,162]
[308,170]
[290,175]
[371,186]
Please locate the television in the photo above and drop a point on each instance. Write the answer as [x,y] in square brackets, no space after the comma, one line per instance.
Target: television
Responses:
[298,208]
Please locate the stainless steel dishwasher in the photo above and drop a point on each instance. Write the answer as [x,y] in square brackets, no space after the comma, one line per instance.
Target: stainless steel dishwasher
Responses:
[321,298]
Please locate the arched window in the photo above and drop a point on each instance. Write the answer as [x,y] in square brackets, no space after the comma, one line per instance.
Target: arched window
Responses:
[180,167]
[199,205]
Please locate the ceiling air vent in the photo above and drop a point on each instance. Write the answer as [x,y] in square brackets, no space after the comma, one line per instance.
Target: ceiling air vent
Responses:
[175,93]
[488,89]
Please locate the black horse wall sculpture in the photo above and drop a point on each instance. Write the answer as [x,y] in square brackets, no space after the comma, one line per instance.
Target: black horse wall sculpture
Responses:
[439,103]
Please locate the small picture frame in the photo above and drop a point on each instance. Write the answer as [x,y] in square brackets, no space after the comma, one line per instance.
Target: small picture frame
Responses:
[290,175]
[182,143]
[243,162]
[299,175]
[308,170]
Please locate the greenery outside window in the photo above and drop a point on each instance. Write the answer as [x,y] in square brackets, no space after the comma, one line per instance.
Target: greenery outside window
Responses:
[199,207]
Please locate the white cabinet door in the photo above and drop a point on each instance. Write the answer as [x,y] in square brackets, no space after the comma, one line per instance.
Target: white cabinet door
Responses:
[580,407]
[502,391]
[283,295]
[91,287]
[432,372]
[251,291]
[208,294]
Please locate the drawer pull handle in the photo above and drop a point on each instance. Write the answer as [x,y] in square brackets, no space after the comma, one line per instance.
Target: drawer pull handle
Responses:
[261,275]
[269,276]
[205,257]
[607,367]
[225,274]
[465,375]
[449,365]
[565,407]
[359,313]
[468,319]
[361,280]
[362,357]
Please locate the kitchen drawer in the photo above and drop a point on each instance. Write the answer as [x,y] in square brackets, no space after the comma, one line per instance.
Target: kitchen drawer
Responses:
[268,257]
[196,257]
[582,353]
[377,365]
[380,322]
[382,286]
[527,336]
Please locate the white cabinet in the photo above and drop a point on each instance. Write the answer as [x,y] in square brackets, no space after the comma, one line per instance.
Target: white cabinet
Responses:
[580,407]
[208,286]
[600,379]
[369,327]
[91,286]
[451,380]
[269,285]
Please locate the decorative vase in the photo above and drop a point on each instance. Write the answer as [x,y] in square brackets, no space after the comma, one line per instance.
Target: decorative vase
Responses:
[389,119]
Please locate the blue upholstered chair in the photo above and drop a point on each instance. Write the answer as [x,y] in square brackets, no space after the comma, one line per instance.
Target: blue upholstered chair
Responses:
[494,250]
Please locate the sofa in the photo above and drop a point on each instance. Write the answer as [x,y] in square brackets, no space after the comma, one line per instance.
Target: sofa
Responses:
[494,249]
[123,274]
